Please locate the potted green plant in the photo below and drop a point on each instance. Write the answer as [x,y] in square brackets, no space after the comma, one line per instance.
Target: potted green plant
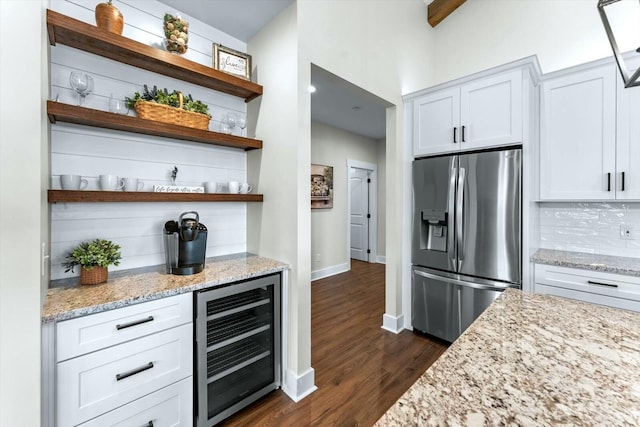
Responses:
[93,257]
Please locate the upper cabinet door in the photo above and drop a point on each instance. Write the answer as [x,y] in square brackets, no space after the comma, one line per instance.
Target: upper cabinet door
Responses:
[628,143]
[436,122]
[491,111]
[578,135]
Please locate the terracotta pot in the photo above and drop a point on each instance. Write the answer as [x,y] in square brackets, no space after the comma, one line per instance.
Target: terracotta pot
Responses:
[109,18]
[93,275]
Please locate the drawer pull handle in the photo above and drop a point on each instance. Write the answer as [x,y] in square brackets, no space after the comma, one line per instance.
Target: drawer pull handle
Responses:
[134,371]
[134,323]
[149,424]
[610,285]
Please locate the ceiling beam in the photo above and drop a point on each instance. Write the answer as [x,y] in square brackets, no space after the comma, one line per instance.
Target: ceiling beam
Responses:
[438,10]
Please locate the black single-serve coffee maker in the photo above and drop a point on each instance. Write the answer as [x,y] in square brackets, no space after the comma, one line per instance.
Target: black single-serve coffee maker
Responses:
[185,245]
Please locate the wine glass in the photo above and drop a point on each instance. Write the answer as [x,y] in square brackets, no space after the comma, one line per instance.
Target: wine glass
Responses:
[242,121]
[229,122]
[82,84]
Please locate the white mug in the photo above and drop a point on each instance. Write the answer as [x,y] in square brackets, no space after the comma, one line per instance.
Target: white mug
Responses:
[234,187]
[110,183]
[73,182]
[245,188]
[132,184]
[210,187]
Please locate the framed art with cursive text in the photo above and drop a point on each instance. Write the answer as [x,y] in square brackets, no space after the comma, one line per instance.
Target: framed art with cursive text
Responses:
[231,61]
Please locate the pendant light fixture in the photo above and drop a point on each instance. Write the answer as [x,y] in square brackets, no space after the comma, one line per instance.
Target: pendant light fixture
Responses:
[629,80]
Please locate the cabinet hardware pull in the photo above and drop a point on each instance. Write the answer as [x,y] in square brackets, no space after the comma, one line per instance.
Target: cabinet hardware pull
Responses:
[134,371]
[622,181]
[134,323]
[608,181]
[455,138]
[610,285]
[149,424]
[463,134]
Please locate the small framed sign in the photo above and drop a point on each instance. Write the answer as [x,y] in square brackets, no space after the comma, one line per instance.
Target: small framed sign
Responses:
[231,61]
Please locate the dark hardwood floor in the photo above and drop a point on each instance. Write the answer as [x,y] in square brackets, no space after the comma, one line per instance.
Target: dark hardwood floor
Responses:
[360,369]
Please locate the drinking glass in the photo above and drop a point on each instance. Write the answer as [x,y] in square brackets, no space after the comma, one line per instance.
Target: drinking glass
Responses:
[82,84]
[117,104]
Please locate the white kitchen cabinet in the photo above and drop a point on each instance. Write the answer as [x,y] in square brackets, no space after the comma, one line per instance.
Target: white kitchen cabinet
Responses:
[117,366]
[589,135]
[170,407]
[614,290]
[483,112]
[628,139]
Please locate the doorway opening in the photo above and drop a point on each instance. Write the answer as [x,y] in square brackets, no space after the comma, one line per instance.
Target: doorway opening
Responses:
[362,203]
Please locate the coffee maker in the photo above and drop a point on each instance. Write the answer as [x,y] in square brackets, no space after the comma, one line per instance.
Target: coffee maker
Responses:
[185,244]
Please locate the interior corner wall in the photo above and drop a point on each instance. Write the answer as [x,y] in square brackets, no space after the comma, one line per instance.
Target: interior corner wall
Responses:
[331,146]
[23,144]
[562,33]
[277,227]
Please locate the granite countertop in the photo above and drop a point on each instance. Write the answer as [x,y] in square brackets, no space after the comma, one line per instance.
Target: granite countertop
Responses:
[124,288]
[605,263]
[532,359]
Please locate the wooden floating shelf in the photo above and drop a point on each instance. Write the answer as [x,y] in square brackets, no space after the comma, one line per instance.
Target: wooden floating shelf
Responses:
[60,112]
[80,35]
[71,196]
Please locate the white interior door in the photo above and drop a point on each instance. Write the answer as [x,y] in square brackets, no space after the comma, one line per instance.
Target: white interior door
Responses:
[358,213]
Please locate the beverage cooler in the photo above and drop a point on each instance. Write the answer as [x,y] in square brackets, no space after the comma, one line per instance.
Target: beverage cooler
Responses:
[237,346]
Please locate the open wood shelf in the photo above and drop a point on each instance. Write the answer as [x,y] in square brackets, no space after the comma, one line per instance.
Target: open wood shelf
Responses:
[60,112]
[72,196]
[80,35]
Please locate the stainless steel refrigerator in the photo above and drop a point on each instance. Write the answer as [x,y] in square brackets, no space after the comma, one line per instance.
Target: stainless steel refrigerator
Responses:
[467,244]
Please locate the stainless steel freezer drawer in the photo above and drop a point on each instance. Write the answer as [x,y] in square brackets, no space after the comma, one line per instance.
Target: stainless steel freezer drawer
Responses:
[445,305]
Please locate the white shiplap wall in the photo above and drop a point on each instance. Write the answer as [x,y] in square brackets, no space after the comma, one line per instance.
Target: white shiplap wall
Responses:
[90,152]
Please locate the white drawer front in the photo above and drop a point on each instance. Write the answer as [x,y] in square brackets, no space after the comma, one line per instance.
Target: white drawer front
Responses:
[589,297]
[600,285]
[97,331]
[171,406]
[88,386]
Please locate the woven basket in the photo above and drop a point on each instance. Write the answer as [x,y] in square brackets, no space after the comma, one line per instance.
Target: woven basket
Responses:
[176,116]
[93,275]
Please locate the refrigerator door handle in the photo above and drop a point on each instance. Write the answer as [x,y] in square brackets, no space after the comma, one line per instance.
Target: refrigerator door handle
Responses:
[451,250]
[460,215]
[495,286]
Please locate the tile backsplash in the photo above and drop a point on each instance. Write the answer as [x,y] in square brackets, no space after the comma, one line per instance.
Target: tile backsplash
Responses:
[590,227]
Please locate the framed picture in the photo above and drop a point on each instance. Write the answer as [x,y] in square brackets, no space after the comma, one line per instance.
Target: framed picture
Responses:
[321,187]
[231,61]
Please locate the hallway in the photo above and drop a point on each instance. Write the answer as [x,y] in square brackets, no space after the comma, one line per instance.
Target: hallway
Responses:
[360,369]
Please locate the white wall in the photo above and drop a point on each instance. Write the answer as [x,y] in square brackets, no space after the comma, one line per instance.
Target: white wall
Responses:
[280,227]
[90,152]
[484,33]
[382,198]
[386,48]
[23,211]
[329,229]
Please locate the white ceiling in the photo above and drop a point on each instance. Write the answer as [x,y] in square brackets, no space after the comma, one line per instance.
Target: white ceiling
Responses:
[335,99]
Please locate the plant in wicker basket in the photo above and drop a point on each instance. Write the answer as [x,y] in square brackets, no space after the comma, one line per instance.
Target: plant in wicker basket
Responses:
[160,105]
[93,257]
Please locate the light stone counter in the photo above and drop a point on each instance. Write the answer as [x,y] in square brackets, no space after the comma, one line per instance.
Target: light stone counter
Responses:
[532,360]
[586,261]
[125,288]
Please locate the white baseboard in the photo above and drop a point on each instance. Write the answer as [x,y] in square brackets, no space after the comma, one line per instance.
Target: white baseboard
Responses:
[381,259]
[393,324]
[297,387]
[329,271]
